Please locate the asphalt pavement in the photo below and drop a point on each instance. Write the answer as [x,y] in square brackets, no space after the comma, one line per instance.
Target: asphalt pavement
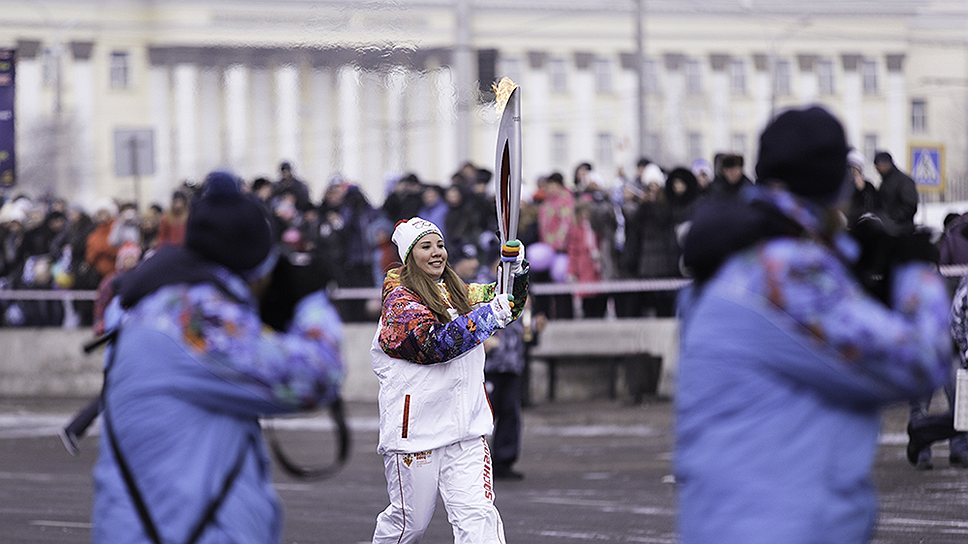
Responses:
[594,472]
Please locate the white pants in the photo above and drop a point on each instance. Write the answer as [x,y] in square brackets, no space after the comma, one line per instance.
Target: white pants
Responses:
[461,473]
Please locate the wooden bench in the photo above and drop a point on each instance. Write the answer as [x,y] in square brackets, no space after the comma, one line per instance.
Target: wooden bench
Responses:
[646,348]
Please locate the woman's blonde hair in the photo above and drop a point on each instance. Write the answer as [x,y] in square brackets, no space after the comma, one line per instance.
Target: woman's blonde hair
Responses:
[425,287]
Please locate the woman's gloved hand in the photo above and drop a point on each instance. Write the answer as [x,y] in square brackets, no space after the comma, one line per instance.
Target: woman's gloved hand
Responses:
[512,252]
[501,307]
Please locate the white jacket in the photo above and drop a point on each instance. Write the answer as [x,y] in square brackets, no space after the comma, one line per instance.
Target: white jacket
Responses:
[423,407]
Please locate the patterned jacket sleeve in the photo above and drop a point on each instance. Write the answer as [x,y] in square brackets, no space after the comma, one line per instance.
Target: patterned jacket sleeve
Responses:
[244,368]
[888,353]
[959,320]
[410,331]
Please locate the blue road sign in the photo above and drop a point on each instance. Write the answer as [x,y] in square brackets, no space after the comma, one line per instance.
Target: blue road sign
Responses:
[927,166]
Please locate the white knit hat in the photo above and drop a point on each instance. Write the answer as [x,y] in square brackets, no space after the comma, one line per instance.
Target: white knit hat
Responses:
[856,159]
[406,234]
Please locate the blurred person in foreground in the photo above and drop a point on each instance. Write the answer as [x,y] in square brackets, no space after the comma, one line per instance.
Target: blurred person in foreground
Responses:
[428,354]
[182,457]
[786,360]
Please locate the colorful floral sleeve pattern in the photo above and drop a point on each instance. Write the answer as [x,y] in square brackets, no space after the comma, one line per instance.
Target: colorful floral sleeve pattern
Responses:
[298,369]
[410,331]
[478,293]
[806,282]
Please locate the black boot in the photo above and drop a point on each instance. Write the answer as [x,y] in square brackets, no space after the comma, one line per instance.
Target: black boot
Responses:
[927,431]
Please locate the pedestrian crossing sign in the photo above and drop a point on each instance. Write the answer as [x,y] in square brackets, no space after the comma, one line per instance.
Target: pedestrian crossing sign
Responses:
[927,166]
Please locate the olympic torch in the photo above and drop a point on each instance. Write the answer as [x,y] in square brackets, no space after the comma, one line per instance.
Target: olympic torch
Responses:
[507,169]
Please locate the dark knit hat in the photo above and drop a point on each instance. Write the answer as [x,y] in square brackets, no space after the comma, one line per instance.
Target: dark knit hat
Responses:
[227,226]
[883,157]
[806,150]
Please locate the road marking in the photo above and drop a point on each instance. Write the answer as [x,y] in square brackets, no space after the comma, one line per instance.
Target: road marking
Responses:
[596,537]
[60,524]
[607,506]
[591,431]
[962,526]
[13,426]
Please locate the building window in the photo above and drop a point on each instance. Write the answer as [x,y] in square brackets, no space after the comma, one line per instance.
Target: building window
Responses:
[825,76]
[651,75]
[781,77]
[919,115]
[693,71]
[870,145]
[603,75]
[512,68]
[120,71]
[868,72]
[694,145]
[558,74]
[559,148]
[603,151]
[737,143]
[737,76]
[49,61]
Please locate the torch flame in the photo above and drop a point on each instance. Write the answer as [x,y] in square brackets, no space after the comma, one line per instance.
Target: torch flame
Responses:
[502,92]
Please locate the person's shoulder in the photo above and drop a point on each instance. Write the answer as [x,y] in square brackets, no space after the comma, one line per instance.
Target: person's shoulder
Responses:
[798,255]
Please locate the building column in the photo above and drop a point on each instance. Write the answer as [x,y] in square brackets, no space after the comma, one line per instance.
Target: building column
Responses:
[395,147]
[287,118]
[535,119]
[852,95]
[897,107]
[159,100]
[321,160]
[185,134]
[445,90]
[350,120]
[263,161]
[29,85]
[211,155]
[237,119]
[583,130]
[83,182]
[762,89]
[418,118]
[720,89]
[675,87]
[808,88]
[372,161]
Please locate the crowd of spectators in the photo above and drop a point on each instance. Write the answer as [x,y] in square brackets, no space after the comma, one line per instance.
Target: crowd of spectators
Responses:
[588,227]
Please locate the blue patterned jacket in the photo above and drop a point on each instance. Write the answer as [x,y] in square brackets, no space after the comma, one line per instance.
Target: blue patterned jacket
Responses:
[785,362]
[193,372]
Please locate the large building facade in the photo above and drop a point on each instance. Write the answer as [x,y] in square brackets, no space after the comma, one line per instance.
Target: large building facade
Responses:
[129,98]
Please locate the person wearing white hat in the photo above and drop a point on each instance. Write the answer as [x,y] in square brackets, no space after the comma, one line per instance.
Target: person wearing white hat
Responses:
[428,355]
[864,198]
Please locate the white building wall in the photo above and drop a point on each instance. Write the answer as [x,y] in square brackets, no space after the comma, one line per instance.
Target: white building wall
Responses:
[535,126]
[583,131]
[895,138]
[85,185]
[160,97]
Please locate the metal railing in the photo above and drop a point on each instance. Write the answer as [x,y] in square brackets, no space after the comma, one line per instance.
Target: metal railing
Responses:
[68,296]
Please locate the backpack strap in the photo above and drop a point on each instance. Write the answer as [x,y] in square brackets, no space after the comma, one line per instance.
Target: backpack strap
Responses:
[147,523]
